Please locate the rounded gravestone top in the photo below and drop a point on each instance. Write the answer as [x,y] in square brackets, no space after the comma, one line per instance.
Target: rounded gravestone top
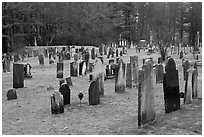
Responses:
[170,65]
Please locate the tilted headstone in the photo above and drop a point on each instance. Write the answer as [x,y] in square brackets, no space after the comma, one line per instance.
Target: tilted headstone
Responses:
[65,91]
[171,87]
[146,111]
[186,66]
[74,69]
[11,94]
[57,103]
[134,70]
[189,86]
[159,73]
[195,82]
[93,53]
[120,77]
[60,68]
[18,75]
[94,95]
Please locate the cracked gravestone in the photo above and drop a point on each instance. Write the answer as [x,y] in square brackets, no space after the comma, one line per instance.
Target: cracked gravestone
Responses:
[18,75]
[171,87]
[146,111]
[65,91]
[57,103]
[60,67]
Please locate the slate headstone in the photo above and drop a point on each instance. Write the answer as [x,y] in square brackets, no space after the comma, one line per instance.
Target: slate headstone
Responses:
[57,103]
[146,111]
[11,94]
[129,77]
[18,75]
[65,91]
[69,81]
[94,95]
[181,55]
[93,53]
[60,67]
[171,87]
[159,73]
[74,69]
[134,70]
[41,59]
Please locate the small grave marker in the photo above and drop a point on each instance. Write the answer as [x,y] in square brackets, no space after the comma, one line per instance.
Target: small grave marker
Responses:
[65,91]
[57,103]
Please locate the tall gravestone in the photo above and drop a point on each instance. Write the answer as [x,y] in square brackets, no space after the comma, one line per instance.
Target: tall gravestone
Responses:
[186,66]
[117,52]
[129,77]
[120,77]
[93,53]
[57,103]
[159,73]
[94,95]
[74,69]
[171,87]
[146,111]
[134,70]
[18,75]
[105,50]
[60,69]
[189,86]
[65,91]
[80,67]
[181,55]
[195,82]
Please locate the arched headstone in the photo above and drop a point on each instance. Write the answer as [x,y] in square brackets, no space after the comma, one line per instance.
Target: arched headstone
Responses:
[171,87]
[65,91]
[11,94]
[94,95]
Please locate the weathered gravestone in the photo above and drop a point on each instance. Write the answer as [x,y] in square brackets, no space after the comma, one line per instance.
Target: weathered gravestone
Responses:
[171,87]
[159,73]
[94,95]
[188,86]
[69,81]
[57,103]
[41,59]
[68,56]
[74,69]
[93,54]
[60,68]
[195,82]
[146,111]
[120,77]
[18,75]
[61,81]
[81,64]
[186,66]
[181,55]
[65,91]
[134,70]
[11,94]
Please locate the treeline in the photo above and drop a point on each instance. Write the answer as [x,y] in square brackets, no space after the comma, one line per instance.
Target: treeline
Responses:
[94,23]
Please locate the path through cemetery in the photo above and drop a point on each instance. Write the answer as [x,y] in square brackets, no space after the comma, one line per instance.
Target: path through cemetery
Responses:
[117,113]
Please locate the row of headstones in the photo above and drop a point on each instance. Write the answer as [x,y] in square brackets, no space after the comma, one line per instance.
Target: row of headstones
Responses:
[146,112]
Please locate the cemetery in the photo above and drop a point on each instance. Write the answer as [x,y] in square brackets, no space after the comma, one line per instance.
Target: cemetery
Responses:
[125,86]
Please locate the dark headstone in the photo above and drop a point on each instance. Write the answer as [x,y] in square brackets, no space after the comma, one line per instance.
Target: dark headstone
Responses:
[57,103]
[129,77]
[121,53]
[60,68]
[18,75]
[159,73]
[65,91]
[109,52]
[11,94]
[68,56]
[74,69]
[146,111]
[117,54]
[160,60]
[61,81]
[171,87]
[186,66]
[69,81]
[41,59]
[181,55]
[80,67]
[101,50]
[94,95]
[93,53]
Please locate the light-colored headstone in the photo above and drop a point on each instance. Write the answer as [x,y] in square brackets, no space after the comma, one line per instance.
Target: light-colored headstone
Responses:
[146,111]
[120,80]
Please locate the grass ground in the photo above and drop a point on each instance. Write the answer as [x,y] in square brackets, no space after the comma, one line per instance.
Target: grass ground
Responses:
[116,114]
